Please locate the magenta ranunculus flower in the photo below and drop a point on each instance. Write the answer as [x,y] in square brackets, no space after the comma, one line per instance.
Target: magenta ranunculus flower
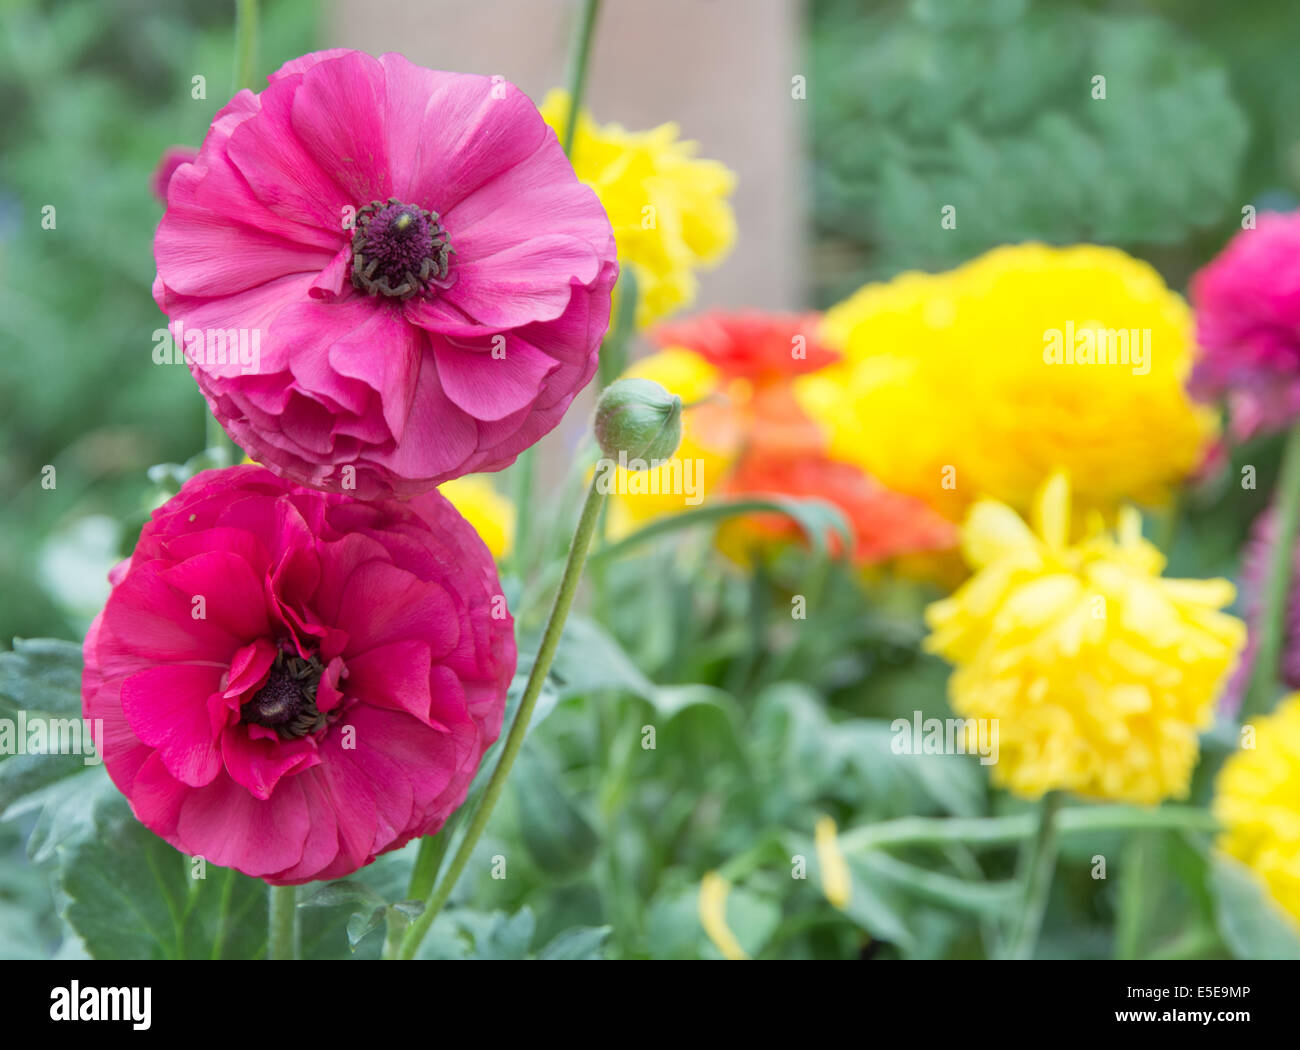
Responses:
[293,682]
[1247,302]
[418,282]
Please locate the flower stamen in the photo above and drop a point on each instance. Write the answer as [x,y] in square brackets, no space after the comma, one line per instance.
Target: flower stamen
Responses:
[399,250]
[287,700]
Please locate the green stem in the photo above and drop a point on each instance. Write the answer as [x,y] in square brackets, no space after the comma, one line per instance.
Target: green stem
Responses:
[1131,912]
[245,43]
[519,729]
[578,70]
[941,831]
[427,862]
[1264,682]
[1039,866]
[282,919]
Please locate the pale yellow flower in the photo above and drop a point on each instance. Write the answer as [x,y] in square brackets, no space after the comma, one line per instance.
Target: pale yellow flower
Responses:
[1258,803]
[1098,672]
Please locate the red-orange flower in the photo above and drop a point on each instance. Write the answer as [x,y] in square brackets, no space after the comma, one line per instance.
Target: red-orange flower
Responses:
[760,347]
[782,452]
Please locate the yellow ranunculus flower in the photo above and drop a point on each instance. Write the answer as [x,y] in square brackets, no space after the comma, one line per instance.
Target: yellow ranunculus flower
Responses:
[1258,803]
[491,514]
[1099,672]
[983,380]
[669,209]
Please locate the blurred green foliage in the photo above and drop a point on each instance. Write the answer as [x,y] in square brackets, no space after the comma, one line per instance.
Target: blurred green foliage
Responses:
[90,96]
[990,108]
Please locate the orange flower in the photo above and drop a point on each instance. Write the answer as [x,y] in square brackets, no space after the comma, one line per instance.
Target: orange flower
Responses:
[760,347]
[781,451]
[885,523]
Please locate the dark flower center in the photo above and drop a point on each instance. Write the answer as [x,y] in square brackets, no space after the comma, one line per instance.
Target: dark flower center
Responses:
[287,701]
[398,250]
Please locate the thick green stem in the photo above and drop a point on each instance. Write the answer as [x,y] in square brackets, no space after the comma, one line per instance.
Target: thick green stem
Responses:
[282,922]
[578,70]
[1039,866]
[1264,679]
[519,729]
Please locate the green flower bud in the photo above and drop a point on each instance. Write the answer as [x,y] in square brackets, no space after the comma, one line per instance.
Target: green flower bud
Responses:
[638,420]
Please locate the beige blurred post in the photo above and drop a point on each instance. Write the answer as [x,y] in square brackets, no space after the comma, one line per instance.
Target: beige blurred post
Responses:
[722,69]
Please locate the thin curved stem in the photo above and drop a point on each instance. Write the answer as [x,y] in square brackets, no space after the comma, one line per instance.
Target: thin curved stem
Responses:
[519,729]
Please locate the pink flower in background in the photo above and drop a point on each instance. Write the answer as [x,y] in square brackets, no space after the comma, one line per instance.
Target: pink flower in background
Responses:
[1247,302]
[293,682]
[426,280]
[173,157]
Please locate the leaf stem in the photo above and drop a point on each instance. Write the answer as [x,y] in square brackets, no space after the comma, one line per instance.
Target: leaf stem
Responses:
[282,922]
[1264,681]
[518,730]
[942,831]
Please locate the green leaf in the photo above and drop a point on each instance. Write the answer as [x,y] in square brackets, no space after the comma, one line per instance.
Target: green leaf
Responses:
[579,942]
[907,119]
[559,838]
[42,676]
[496,935]
[816,518]
[589,661]
[874,905]
[1252,924]
[132,896]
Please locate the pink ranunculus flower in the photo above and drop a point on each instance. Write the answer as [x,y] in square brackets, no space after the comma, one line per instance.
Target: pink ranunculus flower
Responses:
[417,281]
[1247,302]
[293,682]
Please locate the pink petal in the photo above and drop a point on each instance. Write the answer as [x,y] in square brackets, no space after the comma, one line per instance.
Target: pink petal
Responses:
[167,708]
[394,676]
[382,604]
[488,387]
[228,826]
[259,764]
